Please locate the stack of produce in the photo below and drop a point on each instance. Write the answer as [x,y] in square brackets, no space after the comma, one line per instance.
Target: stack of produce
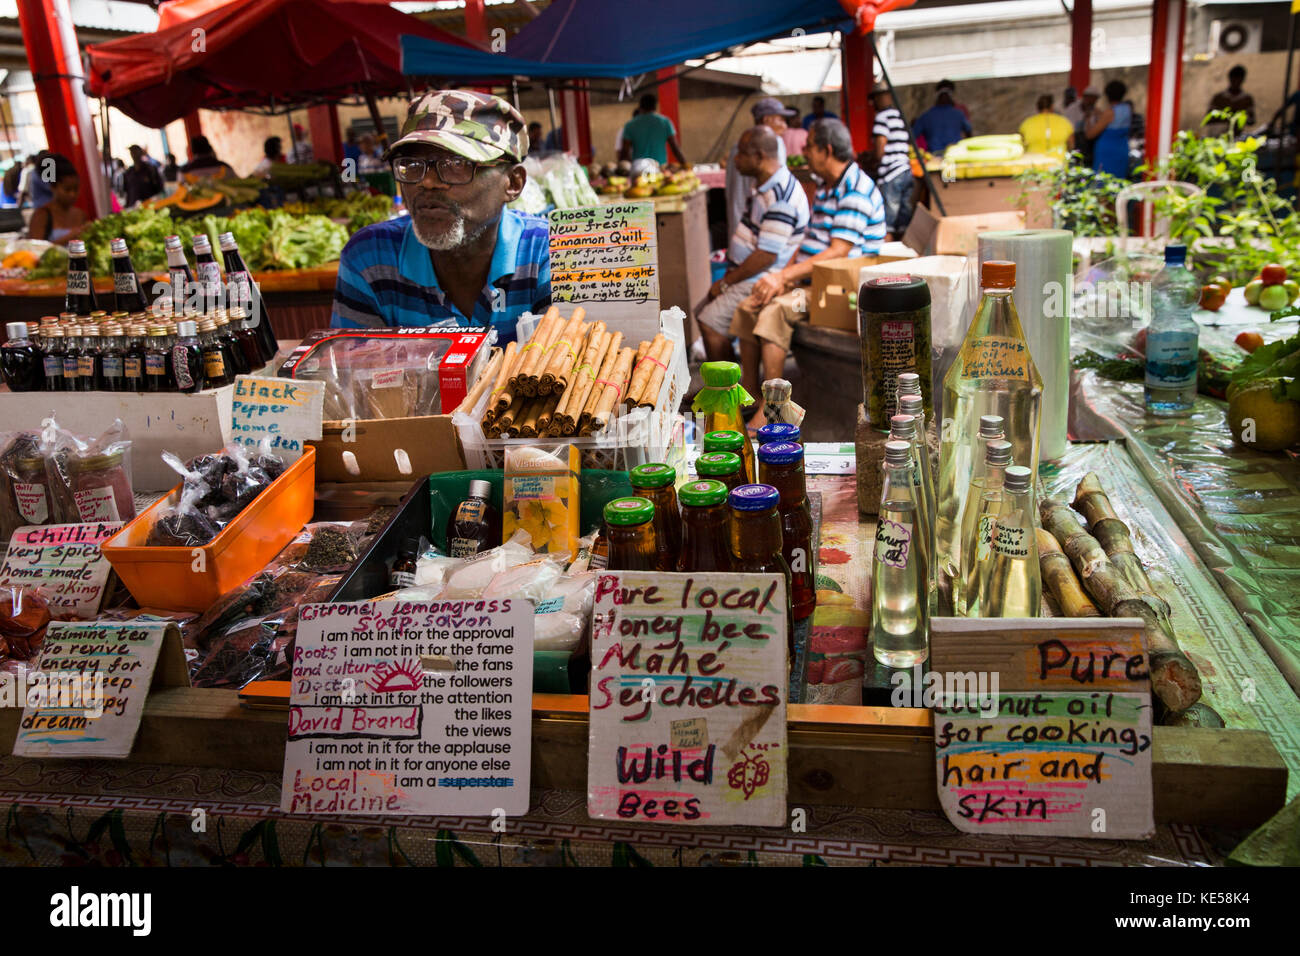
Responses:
[569,379]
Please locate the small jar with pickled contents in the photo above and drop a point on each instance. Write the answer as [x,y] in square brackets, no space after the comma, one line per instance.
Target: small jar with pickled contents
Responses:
[101,487]
[33,502]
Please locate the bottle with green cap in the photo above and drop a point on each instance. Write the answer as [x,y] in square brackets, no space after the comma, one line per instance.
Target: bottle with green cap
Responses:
[630,522]
[706,527]
[729,440]
[655,482]
[723,466]
[720,402]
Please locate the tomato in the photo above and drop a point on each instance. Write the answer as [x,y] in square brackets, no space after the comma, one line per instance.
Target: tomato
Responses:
[1273,274]
[1249,340]
[1212,297]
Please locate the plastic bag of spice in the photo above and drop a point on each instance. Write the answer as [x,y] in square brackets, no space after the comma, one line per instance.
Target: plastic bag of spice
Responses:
[99,476]
[26,499]
[186,525]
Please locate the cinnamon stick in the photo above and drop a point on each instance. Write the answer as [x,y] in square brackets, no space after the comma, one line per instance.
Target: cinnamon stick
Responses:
[487,377]
[605,381]
[506,396]
[547,413]
[563,353]
[509,416]
[580,382]
[528,423]
[650,397]
[641,373]
[611,397]
[533,354]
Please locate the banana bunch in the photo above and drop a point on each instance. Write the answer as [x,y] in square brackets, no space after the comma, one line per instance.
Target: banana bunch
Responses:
[678,182]
[996,148]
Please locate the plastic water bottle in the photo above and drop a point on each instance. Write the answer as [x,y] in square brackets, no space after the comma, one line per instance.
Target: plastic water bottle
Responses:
[1172,338]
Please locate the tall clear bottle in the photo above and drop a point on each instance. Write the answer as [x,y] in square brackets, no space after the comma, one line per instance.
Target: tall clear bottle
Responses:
[993,374]
[991,430]
[899,622]
[903,428]
[977,534]
[911,403]
[1012,587]
[1173,338]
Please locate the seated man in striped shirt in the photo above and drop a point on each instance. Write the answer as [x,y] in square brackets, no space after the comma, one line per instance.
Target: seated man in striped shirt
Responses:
[765,239]
[461,259]
[848,219]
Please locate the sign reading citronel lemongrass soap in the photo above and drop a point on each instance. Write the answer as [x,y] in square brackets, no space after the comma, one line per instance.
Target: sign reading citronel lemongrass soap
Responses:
[65,561]
[86,695]
[286,410]
[606,254]
[398,707]
[688,698]
[1041,726]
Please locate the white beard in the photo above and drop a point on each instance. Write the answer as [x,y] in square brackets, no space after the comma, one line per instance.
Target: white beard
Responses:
[450,239]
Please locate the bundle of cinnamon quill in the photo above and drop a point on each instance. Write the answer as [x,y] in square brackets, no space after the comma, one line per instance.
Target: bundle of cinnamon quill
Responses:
[568,379]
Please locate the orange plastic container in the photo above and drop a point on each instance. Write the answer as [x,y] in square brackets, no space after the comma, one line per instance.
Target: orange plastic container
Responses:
[191,579]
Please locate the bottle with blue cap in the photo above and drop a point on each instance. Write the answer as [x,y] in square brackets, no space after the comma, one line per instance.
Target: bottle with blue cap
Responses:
[1173,338]
[756,541]
[780,464]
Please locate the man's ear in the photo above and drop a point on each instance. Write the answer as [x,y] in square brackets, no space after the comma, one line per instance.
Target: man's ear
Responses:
[516,177]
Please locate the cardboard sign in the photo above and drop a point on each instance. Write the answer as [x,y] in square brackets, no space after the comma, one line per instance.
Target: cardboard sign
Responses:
[287,410]
[608,255]
[411,708]
[689,679]
[64,560]
[1042,726]
[87,694]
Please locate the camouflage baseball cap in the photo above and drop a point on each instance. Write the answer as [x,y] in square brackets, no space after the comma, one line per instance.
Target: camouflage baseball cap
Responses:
[478,126]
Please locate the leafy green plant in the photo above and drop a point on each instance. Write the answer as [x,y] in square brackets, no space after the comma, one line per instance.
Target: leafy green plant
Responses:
[1083,200]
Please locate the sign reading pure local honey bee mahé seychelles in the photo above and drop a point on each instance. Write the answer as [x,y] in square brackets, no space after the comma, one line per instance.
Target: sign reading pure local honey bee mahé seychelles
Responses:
[1042,726]
[689,684]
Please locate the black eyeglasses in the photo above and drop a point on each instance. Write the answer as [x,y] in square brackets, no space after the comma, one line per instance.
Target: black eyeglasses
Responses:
[452,170]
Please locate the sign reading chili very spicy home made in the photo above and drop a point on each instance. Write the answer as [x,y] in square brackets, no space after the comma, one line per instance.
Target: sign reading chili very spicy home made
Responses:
[1042,726]
[688,699]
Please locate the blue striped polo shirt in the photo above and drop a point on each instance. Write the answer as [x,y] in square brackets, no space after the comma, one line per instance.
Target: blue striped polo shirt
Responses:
[386,278]
[774,221]
[851,209]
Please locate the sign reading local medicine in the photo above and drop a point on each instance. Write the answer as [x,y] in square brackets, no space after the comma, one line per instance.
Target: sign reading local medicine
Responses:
[607,255]
[286,410]
[399,707]
[1041,726]
[689,683]
[86,695]
[65,561]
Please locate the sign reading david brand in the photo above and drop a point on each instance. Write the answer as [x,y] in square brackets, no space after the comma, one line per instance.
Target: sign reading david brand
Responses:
[689,678]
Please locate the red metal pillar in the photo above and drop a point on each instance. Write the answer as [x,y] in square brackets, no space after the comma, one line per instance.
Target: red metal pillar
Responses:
[855,92]
[575,120]
[1081,45]
[476,22]
[55,60]
[1165,77]
[669,103]
[326,140]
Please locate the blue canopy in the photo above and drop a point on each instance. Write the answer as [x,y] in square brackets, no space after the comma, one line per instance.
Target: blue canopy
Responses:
[597,38]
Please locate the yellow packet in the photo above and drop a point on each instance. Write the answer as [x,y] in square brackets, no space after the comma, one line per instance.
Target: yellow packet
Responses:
[541,496]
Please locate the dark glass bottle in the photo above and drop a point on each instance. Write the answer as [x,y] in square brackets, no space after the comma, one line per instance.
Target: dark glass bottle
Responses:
[474,525]
[180,279]
[226,333]
[723,466]
[112,358]
[187,358]
[780,464]
[630,522]
[21,360]
[756,541]
[218,364]
[208,274]
[53,360]
[249,342]
[706,527]
[402,573]
[128,294]
[248,296]
[158,361]
[72,359]
[133,378]
[80,295]
[90,369]
[655,483]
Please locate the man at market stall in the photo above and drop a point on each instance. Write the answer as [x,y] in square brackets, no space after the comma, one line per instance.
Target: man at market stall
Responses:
[768,235]
[141,180]
[461,258]
[766,112]
[818,112]
[941,125]
[848,219]
[893,168]
[650,135]
[203,160]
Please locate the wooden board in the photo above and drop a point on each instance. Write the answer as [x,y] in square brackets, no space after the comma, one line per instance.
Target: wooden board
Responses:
[839,756]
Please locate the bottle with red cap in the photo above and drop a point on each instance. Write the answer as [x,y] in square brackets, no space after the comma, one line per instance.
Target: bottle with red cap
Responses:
[993,374]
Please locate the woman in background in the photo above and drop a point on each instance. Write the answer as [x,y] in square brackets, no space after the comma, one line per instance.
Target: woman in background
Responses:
[1110,127]
[59,220]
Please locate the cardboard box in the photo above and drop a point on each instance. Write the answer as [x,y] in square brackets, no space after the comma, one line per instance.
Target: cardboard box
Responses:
[954,289]
[185,425]
[833,280]
[387,449]
[932,235]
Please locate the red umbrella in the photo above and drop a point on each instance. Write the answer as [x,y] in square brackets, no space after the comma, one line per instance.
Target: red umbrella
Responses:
[235,54]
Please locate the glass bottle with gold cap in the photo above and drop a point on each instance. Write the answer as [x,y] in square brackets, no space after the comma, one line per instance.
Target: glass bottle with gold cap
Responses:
[993,374]
[72,358]
[720,402]
[158,361]
[217,361]
[723,466]
[133,358]
[632,546]
[706,521]
[655,482]
[111,358]
[53,347]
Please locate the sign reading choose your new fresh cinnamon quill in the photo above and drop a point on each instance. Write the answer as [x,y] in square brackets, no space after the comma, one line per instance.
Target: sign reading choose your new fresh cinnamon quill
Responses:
[608,255]
[688,699]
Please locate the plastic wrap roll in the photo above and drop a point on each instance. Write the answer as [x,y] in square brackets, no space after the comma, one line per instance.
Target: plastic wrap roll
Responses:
[1044,290]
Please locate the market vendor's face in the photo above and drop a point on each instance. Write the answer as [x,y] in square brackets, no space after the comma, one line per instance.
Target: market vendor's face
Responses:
[447,217]
[818,158]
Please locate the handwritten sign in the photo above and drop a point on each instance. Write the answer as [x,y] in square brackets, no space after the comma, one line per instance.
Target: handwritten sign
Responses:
[87,695]
[288,410]
[1042,726]
[606,254]
[998,356]
[64,560]
[407,708]
[689,678]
